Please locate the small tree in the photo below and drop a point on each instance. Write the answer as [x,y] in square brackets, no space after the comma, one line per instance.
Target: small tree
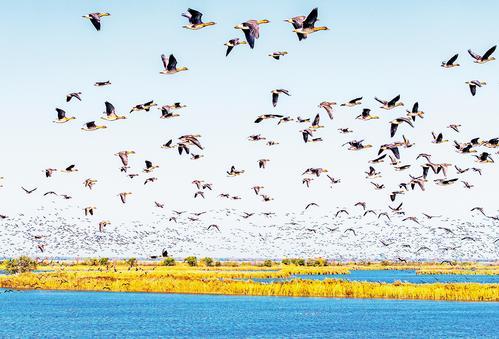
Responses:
[191,261]
[169,262]
[21,265]
[267,263]
[103,261]
[218,263]
[131,262]
[285,261]
[207,261]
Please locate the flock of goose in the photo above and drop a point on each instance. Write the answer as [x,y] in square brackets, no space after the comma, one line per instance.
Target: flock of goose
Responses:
[425,171]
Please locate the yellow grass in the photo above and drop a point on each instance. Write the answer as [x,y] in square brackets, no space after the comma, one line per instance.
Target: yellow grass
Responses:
[148,281]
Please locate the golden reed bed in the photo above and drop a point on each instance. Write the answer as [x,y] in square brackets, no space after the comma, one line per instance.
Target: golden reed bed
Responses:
[139,281]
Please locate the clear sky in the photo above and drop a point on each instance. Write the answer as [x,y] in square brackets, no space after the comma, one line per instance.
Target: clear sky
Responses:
[380,48]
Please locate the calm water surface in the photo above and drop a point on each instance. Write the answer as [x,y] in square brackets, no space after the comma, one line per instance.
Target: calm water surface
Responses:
[103,314]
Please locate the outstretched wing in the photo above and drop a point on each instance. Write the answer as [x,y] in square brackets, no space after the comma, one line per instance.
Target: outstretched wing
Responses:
[195,18]
[474,55]
[109,108]
[489,52]
[172,63]
[60,113]
[95,20]
[452,60]
[309,22]
[394,100]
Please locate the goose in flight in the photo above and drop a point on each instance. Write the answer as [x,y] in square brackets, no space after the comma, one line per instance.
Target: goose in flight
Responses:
[61,116]
[89,183]
[277,55]
[123,155]
[308,24]
[445,182]
[48,172]
[315,171]
[89,210]
[233,172]
[395,102]
[29,191]
[110,113]
[102,83]
[473,84]
[73,95]
[486,57]
[251,30]
[233,43]
[378,186]
[70,169]
[263,162]
[328,106]
[195,21]
[484,157]
[396,122]
[415,112]
[95,18]
[372,173]
[357,145]
[143,107]
[451,62]
[438,139]
[353,102]
[266,117]
[149,166]
[170,65]
[103,224]
[366,115]
[214,226]
[454,127]
[123,196]
[275,95]
[91,126]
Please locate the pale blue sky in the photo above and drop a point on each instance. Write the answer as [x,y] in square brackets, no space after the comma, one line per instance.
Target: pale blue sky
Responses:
[380,48]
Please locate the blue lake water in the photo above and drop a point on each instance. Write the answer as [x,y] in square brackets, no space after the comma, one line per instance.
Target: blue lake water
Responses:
[103,314]
[390,276]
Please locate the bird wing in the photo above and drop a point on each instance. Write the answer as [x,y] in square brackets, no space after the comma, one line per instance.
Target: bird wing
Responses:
[379,100]
[395,151]
[165,61]
[473,55]
[393,129]
[229,48]
[91,124]
[473,89]
[316,120]
[415,107]
[452,60]
[61,114]
[310,20]
[109,108]
[394,100]
[489,52]
[172,63]
[275,97]
[195,18]
[95,20]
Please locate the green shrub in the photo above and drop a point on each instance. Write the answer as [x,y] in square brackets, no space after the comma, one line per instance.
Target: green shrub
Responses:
[131,262]
[267,263]
[103,261]
[169,262]
[207,261]
[286,261]
[21,265]
[191,261]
